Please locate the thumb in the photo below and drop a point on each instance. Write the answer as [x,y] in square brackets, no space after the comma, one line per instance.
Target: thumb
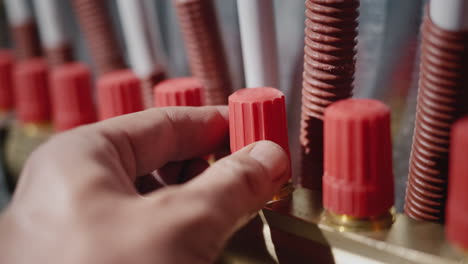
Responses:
[239,185]
[214,205]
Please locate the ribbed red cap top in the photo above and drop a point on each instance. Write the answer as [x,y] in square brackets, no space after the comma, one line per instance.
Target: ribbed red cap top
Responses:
[32,91]
[257,114]
[457,202]
[72,100]
[358,174]
[119,93]
[179,92]
[6,80]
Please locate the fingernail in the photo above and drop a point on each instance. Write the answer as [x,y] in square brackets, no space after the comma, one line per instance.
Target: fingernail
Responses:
[272,157]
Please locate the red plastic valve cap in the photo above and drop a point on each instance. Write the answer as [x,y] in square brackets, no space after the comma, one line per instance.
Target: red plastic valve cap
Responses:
[32,91]
[358,174]
[457,202]
[186,91]
[72,101]
[119,93]
[6,80]
[257,114]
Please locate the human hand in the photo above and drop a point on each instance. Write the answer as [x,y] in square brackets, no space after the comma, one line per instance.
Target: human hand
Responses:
[76,201]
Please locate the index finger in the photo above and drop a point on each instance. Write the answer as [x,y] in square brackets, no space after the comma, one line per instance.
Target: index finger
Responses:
[122,148]
[149,139]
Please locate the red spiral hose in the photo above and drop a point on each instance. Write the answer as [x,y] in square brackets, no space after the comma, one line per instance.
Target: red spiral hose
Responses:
[329,65]
[442,100]
[204,47]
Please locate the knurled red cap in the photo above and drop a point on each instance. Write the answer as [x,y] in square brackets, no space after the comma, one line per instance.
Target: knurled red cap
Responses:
[257,114]
[32,91]
[457,202]
[72,100]
[187,91]
[6,80]
[358,175]
[119,93]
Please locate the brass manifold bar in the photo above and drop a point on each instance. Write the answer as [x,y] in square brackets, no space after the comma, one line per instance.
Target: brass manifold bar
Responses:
[297,226]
